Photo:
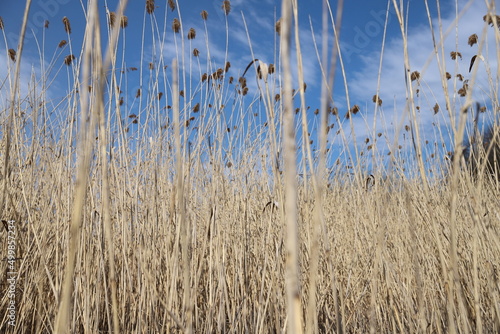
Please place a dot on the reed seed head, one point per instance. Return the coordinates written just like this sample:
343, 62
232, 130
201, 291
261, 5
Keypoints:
151, 66
12, 54
448, 76
69, 59
112, 18
124, 22
377, 99
176, 25
46, 24
150, 6
196, 108
67, 26
62, 43
171, 4
226, 7
196, 52
492, 19
138, 93
277, 27
204, 77
277, 97
455, 54
204, 15
415, 75
192, 33
472, 39
228, 65
355, 109
270, 69
436, 108
1, 23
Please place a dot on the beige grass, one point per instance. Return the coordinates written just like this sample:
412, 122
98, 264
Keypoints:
185, 239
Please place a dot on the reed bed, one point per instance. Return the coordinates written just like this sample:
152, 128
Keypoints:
186, 214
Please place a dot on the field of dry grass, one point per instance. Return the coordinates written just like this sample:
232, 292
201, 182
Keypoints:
152, 224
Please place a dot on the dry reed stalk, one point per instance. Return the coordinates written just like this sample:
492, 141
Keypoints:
294, 308
185, 230
85, 140
14, 100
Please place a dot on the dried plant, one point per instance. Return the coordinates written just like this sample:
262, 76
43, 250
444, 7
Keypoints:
176, 25
204, 15
277, 27
196, 108
62, 43
171, 4
448, 76
1, 23
226, 7
46, 24
415, 75
12, 54
472, 39
455, 54
123, 22
67, 26
150, 6
191, 34
112, 18
492, 19
436, 108
228, 65
377, 99
69, 59
196, 52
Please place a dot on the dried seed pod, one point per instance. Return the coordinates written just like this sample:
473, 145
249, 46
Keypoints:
472, 39
277, 27
228, 65
455, 54
448, 76
191, 34
176, 25
171, 4
226, 7
196, 52
415, 75
46, 24
151, 66
1, 23
12, 54
138, 93
377, 99
67, 26
204, 15
436, 108
124, 22
270, 69
69, 59
160, 95
196, 108
112, 18
355, 109
150, 6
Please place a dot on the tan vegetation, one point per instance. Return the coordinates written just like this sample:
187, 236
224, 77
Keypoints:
185, 217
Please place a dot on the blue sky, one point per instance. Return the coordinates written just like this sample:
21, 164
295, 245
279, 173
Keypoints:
361, 42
